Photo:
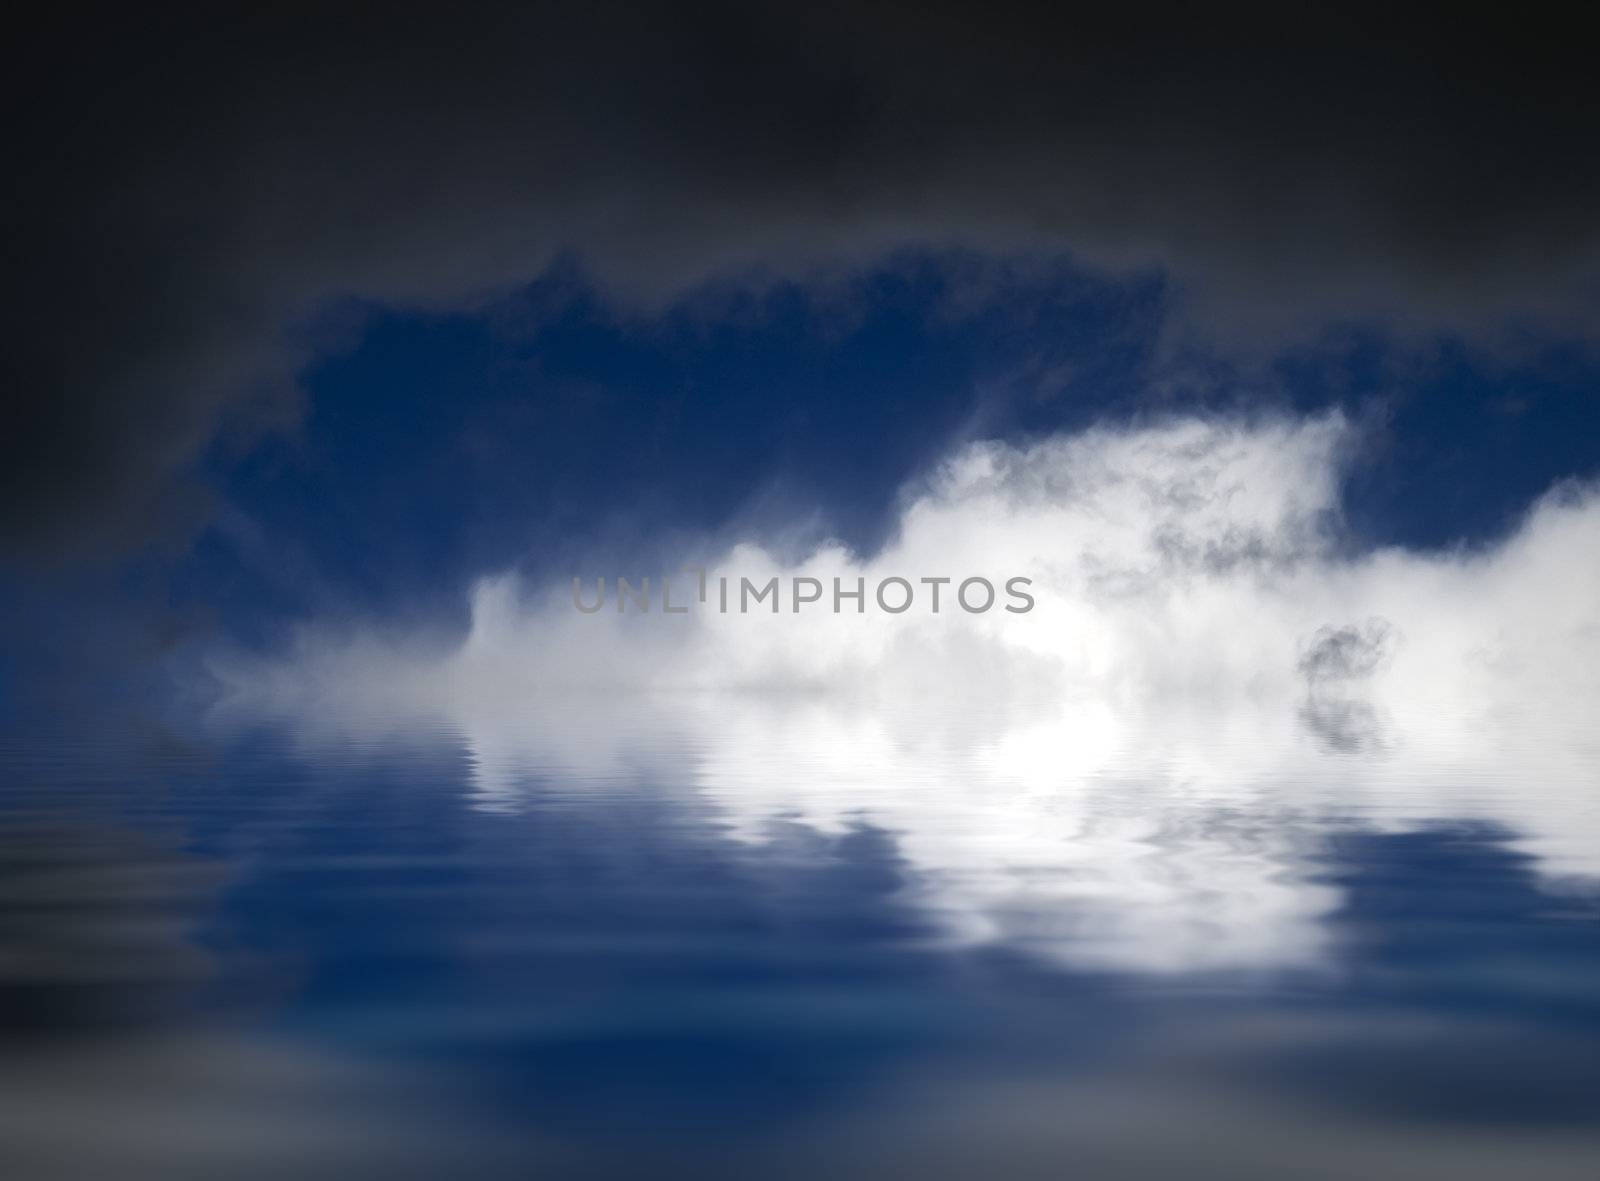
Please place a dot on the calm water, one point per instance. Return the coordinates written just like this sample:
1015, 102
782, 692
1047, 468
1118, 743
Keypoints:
795, 938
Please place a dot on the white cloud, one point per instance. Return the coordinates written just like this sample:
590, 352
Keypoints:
1134, 774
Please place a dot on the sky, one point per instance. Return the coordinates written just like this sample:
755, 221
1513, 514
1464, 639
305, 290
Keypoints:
328, 316
351, 348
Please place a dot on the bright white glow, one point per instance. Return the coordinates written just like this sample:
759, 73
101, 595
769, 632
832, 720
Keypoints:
1133, 775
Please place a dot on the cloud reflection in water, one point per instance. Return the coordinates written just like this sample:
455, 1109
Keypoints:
1140, 774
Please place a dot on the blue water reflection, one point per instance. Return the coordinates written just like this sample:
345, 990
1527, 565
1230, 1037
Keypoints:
504, 946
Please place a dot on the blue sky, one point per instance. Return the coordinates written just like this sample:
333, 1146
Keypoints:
555, 424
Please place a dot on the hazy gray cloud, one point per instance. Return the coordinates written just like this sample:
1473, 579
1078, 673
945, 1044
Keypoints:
1347, 653
186, 186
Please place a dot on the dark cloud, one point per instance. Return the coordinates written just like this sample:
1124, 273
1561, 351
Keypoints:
1335, 663
188, 187
1349, 653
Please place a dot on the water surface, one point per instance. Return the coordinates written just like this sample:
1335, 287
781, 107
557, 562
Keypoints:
735, 935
